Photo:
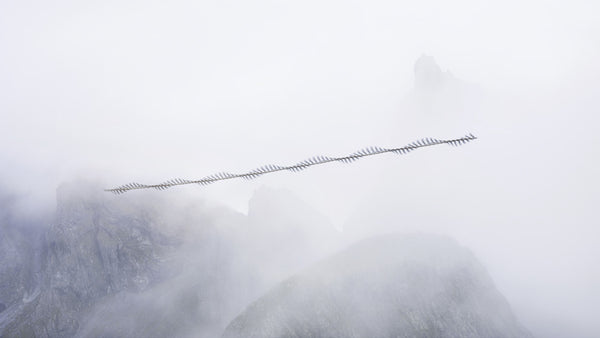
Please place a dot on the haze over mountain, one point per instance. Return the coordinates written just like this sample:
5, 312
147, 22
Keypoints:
148, 91
120, 265
149, 267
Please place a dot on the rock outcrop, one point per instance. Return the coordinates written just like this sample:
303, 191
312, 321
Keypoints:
21, 250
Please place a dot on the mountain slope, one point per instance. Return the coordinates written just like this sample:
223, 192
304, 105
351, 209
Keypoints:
390, 286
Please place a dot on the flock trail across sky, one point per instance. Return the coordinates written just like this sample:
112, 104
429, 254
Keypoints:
316, 160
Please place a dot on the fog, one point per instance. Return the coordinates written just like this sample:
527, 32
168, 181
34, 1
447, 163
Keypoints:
145, 91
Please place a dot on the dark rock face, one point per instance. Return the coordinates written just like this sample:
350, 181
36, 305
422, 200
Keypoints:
20, 262
13, 264
93, 250
115, 266
392, 286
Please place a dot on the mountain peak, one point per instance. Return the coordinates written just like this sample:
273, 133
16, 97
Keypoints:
428, 74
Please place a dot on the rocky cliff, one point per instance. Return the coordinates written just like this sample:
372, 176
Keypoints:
147, 265
94, 248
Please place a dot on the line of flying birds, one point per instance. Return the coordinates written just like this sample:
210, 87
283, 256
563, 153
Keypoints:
316, 160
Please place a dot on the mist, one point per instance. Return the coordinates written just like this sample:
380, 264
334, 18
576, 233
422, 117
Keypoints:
116, 92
